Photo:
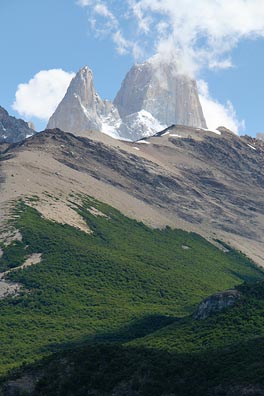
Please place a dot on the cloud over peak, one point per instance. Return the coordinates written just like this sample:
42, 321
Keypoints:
202, 33
197, 35
217, 114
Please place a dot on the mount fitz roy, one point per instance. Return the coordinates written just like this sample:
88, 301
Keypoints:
152, 97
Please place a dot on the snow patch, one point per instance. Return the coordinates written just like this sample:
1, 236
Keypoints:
142, 141
210, 130
83, 108
110, 130
144, 122
175, 135
253, 148
151, 123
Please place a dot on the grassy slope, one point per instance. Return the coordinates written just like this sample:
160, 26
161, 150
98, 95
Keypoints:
123, 282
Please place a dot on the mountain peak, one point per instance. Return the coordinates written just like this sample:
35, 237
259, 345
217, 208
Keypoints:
84, 68
152, 97
77, 111
156, 87
82, 109
85, 72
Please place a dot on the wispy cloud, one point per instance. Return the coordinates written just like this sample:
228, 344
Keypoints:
84, 3
205, 30
198, 35
201, 33
105, 23
40, 96
122, 45
217, 114
102, 21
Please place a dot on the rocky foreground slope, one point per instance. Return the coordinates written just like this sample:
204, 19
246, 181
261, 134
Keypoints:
183, 177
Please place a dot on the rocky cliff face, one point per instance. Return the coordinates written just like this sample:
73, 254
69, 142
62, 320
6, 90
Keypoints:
82, 109
156, 87
13, 130
152, 97
216, 303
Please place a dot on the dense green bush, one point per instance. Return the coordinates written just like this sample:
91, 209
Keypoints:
13, 255
121, 283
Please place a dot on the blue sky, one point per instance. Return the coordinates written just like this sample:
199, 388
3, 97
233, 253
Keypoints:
110, 36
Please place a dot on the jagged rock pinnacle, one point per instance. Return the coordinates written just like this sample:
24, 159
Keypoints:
152, 97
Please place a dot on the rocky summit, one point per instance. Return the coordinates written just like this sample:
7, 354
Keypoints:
13, 130
157, 88
152, 97
82, 109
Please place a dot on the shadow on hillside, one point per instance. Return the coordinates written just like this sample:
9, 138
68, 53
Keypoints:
107, 370
136, 329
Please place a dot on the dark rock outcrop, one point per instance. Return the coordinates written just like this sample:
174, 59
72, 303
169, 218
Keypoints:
13, 130
216, 303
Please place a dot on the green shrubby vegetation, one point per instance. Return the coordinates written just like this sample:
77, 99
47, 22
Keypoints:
124, 283
240, 324
13, 255
106, 370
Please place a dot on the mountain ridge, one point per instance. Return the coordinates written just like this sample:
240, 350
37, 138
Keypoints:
184, 177
13, 130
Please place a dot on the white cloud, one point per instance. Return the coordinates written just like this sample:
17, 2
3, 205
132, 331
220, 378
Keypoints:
196, 34
101, 9
144, 20
102, 21
122, 45
84, 3
201, 33
41, 95
217, 114
206, 29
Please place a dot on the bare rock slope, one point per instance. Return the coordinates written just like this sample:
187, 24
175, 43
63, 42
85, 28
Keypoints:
182, 177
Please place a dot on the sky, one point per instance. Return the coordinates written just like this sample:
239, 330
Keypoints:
220, 43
